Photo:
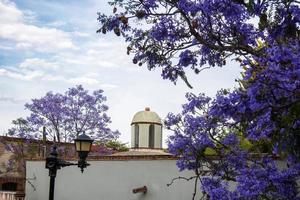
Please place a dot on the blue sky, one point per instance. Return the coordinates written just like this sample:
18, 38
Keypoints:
51, 45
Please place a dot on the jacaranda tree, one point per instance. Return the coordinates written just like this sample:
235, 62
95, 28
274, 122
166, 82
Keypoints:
63, 117
244, 143
67, 115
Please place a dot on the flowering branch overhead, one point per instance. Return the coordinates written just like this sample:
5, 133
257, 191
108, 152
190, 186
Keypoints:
245, 128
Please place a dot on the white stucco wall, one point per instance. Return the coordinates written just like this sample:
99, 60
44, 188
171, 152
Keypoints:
110, 180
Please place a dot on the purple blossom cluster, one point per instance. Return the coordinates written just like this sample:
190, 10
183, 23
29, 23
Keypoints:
65, 116
232, 140
215, 28
61, 117
255, 174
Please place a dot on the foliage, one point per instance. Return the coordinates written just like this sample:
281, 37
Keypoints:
67, 115
246, 127
179, 34
116, 146
60, 116
20, 150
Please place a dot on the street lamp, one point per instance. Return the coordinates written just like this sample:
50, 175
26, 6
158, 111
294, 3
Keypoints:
83, 144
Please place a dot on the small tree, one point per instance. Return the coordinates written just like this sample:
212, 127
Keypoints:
117, 146
20, 149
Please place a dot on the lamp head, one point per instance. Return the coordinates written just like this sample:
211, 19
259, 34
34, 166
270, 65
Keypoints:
83, 144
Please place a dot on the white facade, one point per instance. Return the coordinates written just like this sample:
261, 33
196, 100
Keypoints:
114, 177
146, 130
110, 180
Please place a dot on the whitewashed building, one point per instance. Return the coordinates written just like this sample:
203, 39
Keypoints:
141, 173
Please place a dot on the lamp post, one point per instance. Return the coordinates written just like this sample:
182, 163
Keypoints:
83, 144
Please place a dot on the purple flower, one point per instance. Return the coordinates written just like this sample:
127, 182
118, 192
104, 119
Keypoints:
67, 115
263, 112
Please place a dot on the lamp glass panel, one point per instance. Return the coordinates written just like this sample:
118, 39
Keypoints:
77, 145
85, 146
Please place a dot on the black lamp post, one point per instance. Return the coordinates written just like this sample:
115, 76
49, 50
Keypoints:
83, 144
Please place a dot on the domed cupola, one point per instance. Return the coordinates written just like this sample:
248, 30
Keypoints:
146, 130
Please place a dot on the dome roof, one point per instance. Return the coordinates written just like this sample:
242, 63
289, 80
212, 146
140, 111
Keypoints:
146, 116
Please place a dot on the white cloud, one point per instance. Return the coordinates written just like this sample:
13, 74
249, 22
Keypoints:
5, 47
37, 63
25, 76
81, 34
38, 70
57, 24
83, 80
32, 69
53, 78
91, 58
99, 53
23, 45
9, 13
108, 86
92, 75
14, 26
10, 99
